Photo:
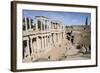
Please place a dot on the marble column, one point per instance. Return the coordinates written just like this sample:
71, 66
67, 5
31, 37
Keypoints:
44, 24
36, 24
31, 45
51, 25
42, 43
47, 24
48, 41
37, 44
45, 42
29, 23
62, 35
51, 40
26, 27
54, 26
27, 49
59, 38
41, 24
60, 27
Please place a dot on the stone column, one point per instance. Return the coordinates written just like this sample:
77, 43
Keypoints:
47, 24
30, 23
48, 40
51, 40
27, 49
42, 43
50, 26
56, 38
59, 38
64, 35
53, 26
60, 27
41, 24
45, 42
36, 24
44, 24
26, 27
31, 44
37, 43
56, 25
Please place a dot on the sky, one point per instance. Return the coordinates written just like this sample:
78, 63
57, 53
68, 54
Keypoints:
67, 18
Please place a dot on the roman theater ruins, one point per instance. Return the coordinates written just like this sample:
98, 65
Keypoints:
41, 34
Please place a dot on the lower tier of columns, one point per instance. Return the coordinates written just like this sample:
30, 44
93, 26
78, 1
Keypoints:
37, 44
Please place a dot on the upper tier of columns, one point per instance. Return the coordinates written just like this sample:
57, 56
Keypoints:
57, 25
41, 24
27, 22
44, 23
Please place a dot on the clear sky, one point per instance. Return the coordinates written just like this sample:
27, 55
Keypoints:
68, 18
